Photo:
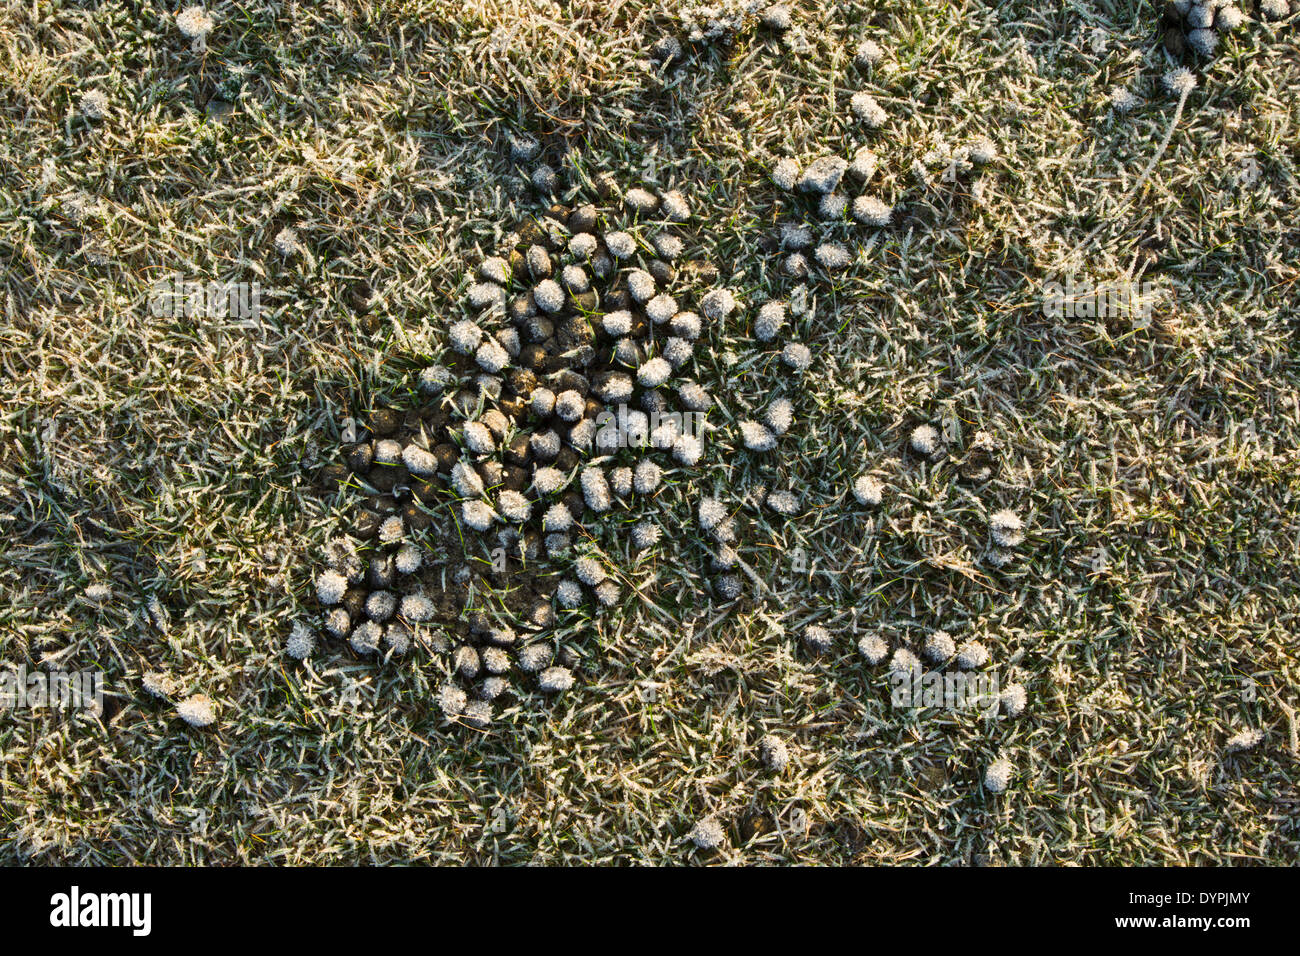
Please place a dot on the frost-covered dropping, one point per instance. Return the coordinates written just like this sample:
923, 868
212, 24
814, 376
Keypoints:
620, 245
757, 437
867, 110
868, 491
300, 642
417, 608
777, 17
868, 53
548, 295
687, 449
575, 279
797, 356
774, 753
568, 594
492, 356
545, 445
381, 605
478, 438
569, 405
542, 401
865, 163
93, 104
464, 336
818, 639
939, 647
553, 680
408, 559
286, 241
645, 534
686, 325
712, 512
548, 480
595, 489
708, 834
872, 211
557, 518
823, 174
832, 205
983, 151
194, 23
668, 247
904, 662
872, 648
728, 586
654, 372
465, 480
544, 179
419, 461
641, 200
972, 655
1006, 529
366, 636
197, 710
330, 587
675, 208
785, 174
717, 304
620, 481
477, 515
514, 507
338, 622
391, 530
485, 295
1179, 81
771, 316
641, 285
924, 439
795, 236
582, 246
452, 701
661, 308
1014, 698
783, 502
646, 476
998, 776
779, 416
589, 571
1244, 740
617, 323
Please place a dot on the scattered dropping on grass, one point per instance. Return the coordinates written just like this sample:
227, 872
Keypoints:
797, 356
197, 710
939, 646
818, 639
998, 776
872, 648
708, 834
1244, 740
925, 440
93, 104
553, 680
1179, 81
1006, 529
286, 241
972, 655
194, 23
774, 753
1014, 699
300, 642
868, 491
867, 110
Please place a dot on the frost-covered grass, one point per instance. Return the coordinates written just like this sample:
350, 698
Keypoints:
1149, 613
